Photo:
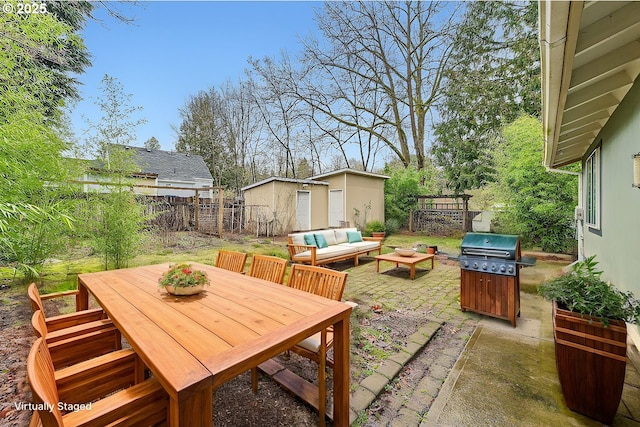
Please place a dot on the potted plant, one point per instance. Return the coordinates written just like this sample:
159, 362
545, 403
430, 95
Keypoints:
376, 229
590, 338
182, 279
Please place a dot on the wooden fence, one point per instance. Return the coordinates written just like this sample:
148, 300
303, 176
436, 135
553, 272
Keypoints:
173, 213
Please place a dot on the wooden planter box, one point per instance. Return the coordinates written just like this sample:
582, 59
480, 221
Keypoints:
591, 362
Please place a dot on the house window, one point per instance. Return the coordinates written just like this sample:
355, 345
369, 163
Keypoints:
592, 166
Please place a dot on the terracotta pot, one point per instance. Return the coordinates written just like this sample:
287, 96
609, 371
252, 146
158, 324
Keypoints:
189, 290
431, 250
591, 360
378, 234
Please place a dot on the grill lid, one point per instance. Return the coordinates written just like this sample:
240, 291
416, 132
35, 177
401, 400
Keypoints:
504, 246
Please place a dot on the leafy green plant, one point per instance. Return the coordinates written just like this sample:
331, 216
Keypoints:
537, 205
582, 291
392, 225
402, 187
375, 227
184, 276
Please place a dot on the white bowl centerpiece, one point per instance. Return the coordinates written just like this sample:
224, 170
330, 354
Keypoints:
408, 252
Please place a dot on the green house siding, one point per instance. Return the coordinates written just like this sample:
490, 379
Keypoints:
617, 242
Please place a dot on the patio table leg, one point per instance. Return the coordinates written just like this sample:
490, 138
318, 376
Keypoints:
197, 410
341, 371
82, 298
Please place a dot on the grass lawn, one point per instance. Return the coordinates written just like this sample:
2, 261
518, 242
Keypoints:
60, 273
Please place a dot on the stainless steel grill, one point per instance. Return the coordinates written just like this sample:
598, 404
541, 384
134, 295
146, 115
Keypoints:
489, 277
493, 253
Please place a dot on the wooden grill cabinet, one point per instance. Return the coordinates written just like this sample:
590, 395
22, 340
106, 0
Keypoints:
490, 275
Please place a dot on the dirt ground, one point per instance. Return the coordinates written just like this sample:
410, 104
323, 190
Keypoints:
374, 332
234, 403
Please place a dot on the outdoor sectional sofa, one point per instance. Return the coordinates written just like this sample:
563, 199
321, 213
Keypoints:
327, 246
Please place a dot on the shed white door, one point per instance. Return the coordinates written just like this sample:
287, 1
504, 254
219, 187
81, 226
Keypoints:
336, 208
303, 210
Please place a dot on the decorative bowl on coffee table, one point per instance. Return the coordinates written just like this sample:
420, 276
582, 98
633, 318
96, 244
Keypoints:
408, 252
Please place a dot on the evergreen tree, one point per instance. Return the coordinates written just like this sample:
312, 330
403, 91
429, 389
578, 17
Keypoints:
493, 78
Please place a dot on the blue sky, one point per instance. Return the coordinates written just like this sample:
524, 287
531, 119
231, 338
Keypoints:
177, 48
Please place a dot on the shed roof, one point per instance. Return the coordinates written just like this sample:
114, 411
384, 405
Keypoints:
350, 171
590, 54
281, 179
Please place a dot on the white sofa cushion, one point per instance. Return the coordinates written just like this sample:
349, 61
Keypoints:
330, 237
364, 245
324, 253
341, 234
298, 238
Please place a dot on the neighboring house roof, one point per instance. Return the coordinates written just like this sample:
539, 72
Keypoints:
349, 171
590, 58
281, 179
171, 166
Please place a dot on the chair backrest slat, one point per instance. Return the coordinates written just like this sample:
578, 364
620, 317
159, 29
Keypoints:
269, 268
232, 261
34, 298
43, 384
39, 324
318, 280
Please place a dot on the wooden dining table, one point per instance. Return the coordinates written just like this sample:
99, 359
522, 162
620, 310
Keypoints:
194, 344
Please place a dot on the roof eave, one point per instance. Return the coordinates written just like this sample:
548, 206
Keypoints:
559, 25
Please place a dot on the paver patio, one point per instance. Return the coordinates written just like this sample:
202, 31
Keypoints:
434, 292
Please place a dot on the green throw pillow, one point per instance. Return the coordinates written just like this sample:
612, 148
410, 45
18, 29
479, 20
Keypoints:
310, 240
321, 241
354, 236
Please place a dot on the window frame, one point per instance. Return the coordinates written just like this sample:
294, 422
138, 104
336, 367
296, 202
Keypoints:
592, 189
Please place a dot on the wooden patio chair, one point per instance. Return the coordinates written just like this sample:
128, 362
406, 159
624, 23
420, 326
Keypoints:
329, 284
77, 343
269, 268
145, 403
87, 375
62, 321
232, 261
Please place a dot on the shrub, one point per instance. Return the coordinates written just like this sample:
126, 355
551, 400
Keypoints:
392, 225
581, 290
375, 227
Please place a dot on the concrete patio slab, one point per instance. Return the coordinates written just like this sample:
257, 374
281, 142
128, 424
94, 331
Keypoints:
507, 377
473, 370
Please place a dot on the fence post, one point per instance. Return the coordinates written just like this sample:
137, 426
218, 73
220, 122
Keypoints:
465, 214
196, 202
411, 220
220, 210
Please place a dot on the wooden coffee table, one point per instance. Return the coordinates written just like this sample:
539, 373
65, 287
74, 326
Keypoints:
409, 261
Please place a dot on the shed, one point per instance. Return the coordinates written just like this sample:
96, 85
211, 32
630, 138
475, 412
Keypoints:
285, 204
355, 197
334, 199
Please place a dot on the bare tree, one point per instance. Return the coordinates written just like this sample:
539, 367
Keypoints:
278, 109
118, 122
241, 128
224, 126
382, 71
